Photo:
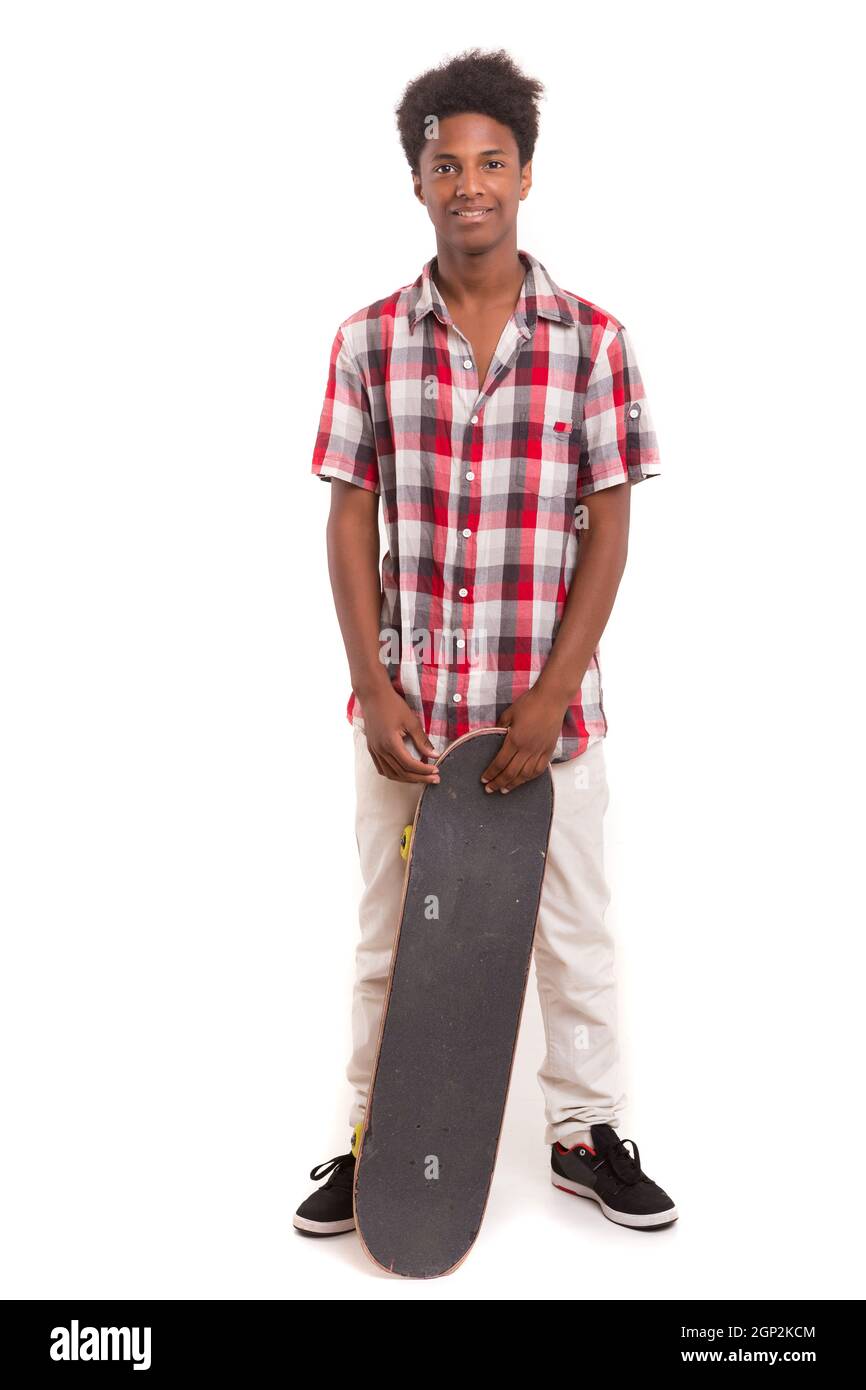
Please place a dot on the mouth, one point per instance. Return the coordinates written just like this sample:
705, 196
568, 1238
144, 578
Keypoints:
472, 214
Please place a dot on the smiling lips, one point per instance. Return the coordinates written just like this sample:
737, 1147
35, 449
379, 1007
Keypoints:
472, 214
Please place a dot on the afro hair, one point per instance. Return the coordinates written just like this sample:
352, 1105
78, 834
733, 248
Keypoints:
489, 83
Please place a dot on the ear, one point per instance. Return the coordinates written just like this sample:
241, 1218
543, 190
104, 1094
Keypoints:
526, 178
416, 188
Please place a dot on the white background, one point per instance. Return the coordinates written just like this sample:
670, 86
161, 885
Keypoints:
195, 195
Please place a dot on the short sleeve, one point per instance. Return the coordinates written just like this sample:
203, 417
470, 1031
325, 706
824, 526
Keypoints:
345, 445
619, 441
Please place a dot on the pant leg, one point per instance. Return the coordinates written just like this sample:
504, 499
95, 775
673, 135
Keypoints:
383, 808
581, 1078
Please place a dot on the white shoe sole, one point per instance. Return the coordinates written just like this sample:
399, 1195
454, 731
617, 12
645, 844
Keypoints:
323, 1228
622, 1218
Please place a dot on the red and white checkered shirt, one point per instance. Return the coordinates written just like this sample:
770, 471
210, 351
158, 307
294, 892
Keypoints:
481, 484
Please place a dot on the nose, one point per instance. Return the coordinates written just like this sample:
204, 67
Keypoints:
469, 185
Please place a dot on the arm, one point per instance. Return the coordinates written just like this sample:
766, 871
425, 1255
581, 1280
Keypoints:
353, 564
534, 721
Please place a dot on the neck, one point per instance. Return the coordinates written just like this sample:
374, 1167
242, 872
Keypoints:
464, 279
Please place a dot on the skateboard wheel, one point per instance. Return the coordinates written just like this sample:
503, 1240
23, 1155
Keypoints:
405, 842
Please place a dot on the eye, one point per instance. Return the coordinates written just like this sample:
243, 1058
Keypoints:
494, 161
439, 167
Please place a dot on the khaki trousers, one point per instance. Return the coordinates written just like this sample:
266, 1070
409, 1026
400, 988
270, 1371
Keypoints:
580, 1077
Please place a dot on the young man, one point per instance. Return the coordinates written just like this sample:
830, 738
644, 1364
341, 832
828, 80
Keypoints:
502, 421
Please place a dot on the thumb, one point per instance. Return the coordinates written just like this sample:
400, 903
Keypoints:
506, 718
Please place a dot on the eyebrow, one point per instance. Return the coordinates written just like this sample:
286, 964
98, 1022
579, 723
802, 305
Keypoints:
445, 154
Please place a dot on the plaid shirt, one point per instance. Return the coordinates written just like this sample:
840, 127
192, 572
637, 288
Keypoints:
481, 486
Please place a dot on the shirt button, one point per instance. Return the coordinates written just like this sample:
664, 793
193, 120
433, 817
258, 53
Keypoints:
467, 532
474, 419
634, 412
463, 592
470, 476
461, 642
468, 362
457, 697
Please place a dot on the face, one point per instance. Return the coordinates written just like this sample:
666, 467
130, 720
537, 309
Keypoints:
471, 182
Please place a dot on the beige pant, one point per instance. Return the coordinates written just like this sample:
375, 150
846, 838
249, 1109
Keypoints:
574, 952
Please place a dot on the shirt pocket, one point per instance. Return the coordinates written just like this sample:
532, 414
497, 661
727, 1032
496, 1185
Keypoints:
550, 466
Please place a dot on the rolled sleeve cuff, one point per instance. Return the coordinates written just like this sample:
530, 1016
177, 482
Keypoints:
338, 468
634, 474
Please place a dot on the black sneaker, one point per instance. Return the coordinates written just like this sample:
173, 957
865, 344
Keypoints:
611, 1176
328, 1211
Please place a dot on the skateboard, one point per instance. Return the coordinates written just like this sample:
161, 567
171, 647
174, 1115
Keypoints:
475, 863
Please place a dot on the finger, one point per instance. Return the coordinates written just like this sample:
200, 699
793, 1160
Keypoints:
500, 761
397, 773
418, 735
397, 753
530, 770
513, 775
385, 767
503, 773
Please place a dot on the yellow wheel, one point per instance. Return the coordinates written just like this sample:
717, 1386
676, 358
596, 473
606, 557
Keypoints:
405, 842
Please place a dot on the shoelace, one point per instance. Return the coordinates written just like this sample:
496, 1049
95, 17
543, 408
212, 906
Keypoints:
334, 1166
624, 1165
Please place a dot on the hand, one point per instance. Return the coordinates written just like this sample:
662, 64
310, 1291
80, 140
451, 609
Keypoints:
387, 718
534, 723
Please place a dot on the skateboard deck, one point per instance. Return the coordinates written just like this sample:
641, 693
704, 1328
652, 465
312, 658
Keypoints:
452, 1013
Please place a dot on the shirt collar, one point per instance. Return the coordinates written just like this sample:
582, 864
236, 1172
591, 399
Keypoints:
540, 296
